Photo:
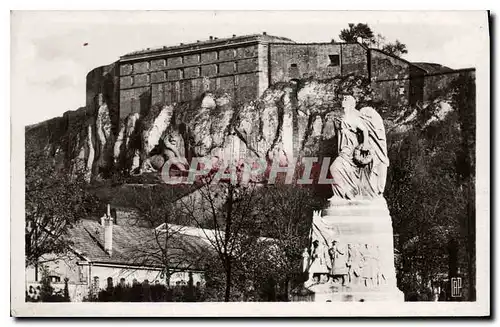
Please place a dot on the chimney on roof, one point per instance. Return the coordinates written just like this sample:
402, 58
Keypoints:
182, 43
197, 41
264, 33
107, 223
211, 37
215, 38
114, 215
234, 35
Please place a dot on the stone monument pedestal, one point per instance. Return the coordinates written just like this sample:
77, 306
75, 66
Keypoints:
361, 232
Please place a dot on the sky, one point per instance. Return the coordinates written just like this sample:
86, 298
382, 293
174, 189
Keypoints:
49, 61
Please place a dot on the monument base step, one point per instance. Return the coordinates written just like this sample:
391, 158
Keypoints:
328, 293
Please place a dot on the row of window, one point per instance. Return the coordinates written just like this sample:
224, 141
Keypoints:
206, 70
175, 74
334, 61
192, 59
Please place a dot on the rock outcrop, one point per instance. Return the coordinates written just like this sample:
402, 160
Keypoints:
290, 120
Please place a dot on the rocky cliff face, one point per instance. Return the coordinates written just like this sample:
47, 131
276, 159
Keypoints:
289, 120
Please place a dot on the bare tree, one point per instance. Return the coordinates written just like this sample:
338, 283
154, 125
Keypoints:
226, 215
379, 41
288, 218
162, 242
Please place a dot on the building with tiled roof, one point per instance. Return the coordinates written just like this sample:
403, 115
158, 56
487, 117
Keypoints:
125, 253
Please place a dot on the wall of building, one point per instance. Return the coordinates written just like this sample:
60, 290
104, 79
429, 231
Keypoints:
390, 78
81, 275
103, 84
298, 61
246, 69
61, 267
434, 84
354, 58
263, 50
416, 85
182, 78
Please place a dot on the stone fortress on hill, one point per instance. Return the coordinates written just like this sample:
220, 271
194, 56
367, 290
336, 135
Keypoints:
256, 95
245, 66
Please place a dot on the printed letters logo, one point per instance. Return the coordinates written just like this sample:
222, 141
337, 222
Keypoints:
456, 287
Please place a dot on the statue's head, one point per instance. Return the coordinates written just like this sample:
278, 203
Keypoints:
348, 102
356, 86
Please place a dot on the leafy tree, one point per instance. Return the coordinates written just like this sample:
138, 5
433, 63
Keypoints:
397, 48
46, 289
430, 191
464, 100
66, 290
368, 38
356, 31
55, 199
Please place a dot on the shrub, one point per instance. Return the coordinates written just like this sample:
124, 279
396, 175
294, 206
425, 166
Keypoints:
146, 292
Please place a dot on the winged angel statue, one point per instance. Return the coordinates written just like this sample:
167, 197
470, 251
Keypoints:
360, 170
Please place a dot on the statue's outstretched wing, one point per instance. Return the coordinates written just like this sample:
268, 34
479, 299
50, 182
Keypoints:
376, 130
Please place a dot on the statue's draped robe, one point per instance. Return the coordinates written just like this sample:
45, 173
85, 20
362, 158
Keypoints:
377, 141
349, 180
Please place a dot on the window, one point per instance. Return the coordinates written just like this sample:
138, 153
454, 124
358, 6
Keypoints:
199, 57
217, 68
293, 71
235, 66
334, 60
182, 60
401, 90
181, 73
217, 54
82, 273
199, 71
55, 279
